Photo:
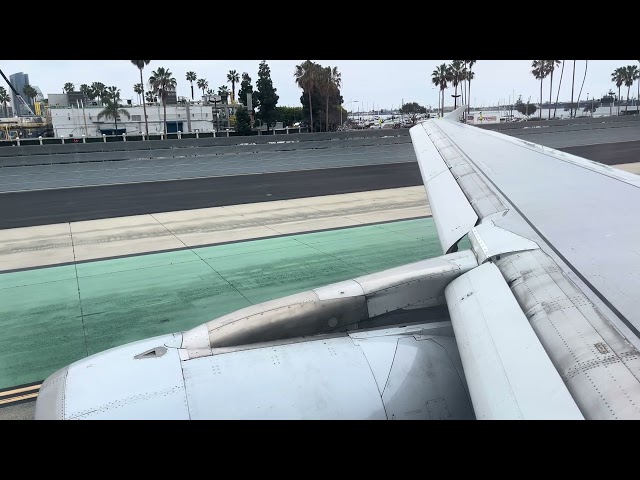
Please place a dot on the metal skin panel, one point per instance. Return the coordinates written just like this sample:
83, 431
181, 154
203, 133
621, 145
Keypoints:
482, 199
509, 374
424, 292
421, 283
348, 288
288, 319
327, 378
587, 214
323, 379
424, 383
600, 368
50, 403
430, 161
488, 206
441, 329
115, 385
453, 215
598, 167
380, 352
488, 240
333, 307
378, 281
334, 378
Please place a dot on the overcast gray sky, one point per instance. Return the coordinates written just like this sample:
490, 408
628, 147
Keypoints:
383, 83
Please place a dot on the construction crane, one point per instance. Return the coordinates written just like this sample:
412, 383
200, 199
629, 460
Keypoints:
26, 105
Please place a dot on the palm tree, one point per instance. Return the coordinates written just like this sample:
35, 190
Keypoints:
463, 80
113, 110
4, 98
233, 78
306, 75
618, 78
113, 93
161, 83
324, 82
586, 65
440, 77
638, 97
85, 90
457, 72
635, 75
631, 74
333, 81
223, 91
30, 92
470, 76
539, 71
149, 97
202, 85
68, 87
138, 88
140, 64
551, 66
558, 94
98, 89
191, 77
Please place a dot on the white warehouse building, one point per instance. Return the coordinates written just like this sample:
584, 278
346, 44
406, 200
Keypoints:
73, 121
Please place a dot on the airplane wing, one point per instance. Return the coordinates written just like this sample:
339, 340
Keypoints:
564, 233
543, 312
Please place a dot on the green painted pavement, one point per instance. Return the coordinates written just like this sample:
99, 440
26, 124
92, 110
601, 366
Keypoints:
40, 327
50, 317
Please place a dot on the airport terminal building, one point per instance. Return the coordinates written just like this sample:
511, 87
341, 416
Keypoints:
76, 120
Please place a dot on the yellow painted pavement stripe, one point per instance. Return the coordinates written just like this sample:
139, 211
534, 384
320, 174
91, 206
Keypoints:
18, 398
20, 390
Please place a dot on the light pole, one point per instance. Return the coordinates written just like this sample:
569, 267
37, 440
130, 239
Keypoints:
455, 101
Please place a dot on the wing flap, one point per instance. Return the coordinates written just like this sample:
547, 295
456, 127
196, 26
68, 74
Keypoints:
452, 212
509, 374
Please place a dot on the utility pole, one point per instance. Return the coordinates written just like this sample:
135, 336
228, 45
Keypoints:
84, 118
573, 80
215, 106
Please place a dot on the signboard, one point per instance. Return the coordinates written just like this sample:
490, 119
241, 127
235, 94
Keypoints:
249, 102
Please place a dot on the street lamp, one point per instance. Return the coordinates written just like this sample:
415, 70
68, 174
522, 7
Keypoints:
455, 101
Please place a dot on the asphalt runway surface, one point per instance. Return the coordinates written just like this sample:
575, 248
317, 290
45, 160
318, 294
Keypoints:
396, 168
181, 167
608, 153
557, 137
42, 207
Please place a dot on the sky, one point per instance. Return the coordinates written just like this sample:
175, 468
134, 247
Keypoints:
366, 84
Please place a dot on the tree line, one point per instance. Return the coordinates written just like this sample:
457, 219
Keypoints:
542, 69
321, 99
455, 74
626, 76
161, 82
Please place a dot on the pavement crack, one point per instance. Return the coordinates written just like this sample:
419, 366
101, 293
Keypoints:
75, 266
193, 250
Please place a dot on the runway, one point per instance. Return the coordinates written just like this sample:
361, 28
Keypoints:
185, 163
21, 209
608, 153
46, 206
